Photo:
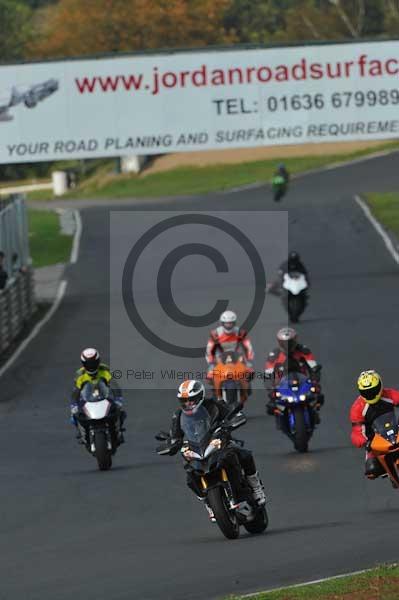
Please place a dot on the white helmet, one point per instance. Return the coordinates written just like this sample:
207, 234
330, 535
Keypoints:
90, 359
191, 395
228, 320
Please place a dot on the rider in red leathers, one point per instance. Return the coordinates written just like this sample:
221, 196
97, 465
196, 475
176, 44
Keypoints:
289, 357
228, 337
374, 400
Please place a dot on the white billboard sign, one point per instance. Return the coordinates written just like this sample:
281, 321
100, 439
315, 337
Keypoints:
199, 100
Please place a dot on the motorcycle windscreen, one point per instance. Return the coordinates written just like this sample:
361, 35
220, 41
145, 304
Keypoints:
97, 410
386, 426
95, 391
196, 427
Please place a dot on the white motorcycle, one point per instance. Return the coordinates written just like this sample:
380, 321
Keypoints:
295, 299
99, 423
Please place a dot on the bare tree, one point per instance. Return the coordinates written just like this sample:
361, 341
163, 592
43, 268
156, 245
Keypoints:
344, 17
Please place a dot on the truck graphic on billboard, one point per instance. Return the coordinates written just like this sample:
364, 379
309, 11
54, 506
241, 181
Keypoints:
30, 97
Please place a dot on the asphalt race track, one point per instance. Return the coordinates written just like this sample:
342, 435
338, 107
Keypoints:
68, 531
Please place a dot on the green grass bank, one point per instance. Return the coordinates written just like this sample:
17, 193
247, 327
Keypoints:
381, 583
48, 245
184, 181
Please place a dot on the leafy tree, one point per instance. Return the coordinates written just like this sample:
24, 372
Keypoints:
14, 29
125, 25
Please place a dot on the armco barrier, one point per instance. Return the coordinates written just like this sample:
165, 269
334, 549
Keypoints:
17, 305
17, 299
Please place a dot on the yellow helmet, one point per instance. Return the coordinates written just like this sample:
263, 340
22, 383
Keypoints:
370, 386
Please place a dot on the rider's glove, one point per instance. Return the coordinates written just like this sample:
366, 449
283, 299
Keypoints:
119, 402
74, 409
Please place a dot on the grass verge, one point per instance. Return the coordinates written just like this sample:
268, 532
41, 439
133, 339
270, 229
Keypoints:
200, 180
385, 208
48, 245
381, 583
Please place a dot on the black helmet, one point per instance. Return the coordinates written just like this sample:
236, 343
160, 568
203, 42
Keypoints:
90, 359
293, 260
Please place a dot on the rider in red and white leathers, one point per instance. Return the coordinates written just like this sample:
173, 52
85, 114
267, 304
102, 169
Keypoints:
373, 401
229, 337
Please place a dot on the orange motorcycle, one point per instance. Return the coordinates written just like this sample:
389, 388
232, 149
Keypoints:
385, 445
231, 378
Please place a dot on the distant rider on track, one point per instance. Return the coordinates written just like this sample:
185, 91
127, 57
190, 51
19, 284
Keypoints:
289, 357
293, 264
229, 337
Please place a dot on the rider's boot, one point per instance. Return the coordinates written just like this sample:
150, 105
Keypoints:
257, 488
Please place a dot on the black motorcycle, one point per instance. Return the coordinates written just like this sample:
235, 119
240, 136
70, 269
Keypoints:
99, 423
210, 457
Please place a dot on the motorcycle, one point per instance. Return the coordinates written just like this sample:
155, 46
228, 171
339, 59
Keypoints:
385, 445
230, 378
98, 423
210, 458
296, 404
295, 299
279, 187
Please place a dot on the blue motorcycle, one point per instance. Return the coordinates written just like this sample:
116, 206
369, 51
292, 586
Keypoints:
296, 403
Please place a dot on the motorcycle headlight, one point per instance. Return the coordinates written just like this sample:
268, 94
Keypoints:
302, 397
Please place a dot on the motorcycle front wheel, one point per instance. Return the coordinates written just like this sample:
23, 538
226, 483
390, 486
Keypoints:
259, 523
301, 434
103, 455
225, 518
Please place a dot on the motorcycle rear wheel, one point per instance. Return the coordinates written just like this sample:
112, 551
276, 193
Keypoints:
225, 518
103, 455
296, 306
260, 522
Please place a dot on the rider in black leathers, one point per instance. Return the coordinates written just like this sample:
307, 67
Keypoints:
292, 264
192, 395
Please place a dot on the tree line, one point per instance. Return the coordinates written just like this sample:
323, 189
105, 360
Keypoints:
42, 29
45, 29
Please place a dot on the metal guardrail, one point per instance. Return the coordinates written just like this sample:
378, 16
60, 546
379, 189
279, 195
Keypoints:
17, 299
17, 306
14, 236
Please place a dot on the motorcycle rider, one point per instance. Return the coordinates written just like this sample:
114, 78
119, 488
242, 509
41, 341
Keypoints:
228, 336
293, 264
373, 401
191, 394
289, 357
94, 371
281, 171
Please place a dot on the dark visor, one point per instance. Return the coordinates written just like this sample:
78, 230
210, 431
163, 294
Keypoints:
371, 393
